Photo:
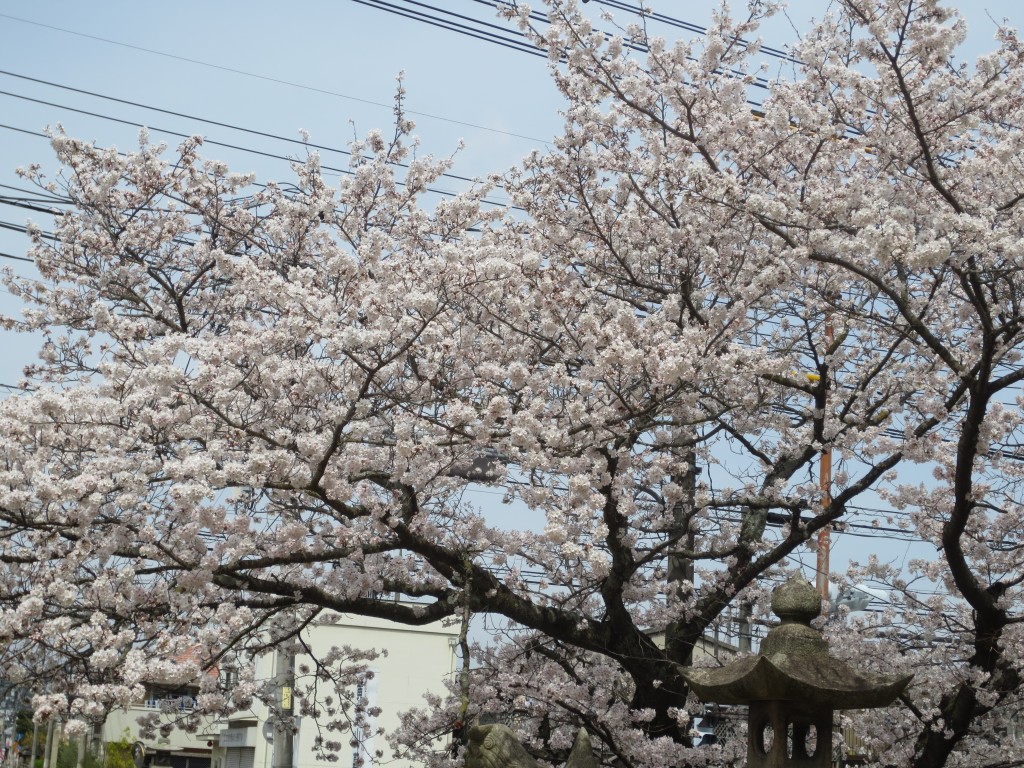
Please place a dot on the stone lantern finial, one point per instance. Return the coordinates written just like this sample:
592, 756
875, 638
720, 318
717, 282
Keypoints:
796, 601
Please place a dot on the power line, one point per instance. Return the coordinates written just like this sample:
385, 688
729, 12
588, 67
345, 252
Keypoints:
14, 227
24, 203
12, 257
27, 131
672, 21
416, 15
208, 121
779, 519
484, 34
24, 230
66, 201
27, 202
265, 78
38, 195
212, 142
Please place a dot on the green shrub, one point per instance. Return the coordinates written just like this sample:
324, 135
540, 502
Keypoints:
118, 754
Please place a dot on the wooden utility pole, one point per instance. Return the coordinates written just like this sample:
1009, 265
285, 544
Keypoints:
825, 534
825, 477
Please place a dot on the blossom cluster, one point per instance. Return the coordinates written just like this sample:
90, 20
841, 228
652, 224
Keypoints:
254, 405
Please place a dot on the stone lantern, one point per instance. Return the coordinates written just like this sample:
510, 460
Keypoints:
793, 686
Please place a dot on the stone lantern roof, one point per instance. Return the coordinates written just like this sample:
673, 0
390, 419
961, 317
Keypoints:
794, 665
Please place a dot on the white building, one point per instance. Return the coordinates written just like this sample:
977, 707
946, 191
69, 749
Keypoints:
418, 660
177, 749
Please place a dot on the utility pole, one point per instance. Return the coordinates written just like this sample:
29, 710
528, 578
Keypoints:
825, 478
825, 534
285, 683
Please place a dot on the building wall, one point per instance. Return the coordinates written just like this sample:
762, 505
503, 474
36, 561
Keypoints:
708, 647
178, 749
418, 661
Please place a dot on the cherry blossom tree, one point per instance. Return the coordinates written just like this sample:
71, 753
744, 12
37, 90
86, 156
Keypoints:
258, 407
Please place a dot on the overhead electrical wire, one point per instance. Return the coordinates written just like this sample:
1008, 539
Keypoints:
38, 195
757, 81
212, 142
24, 230
65, 201
424, 17
638, 45
207, 121
376, 3
265, 78
778, 53
778, 520
12, 257
518, 42
26, 204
